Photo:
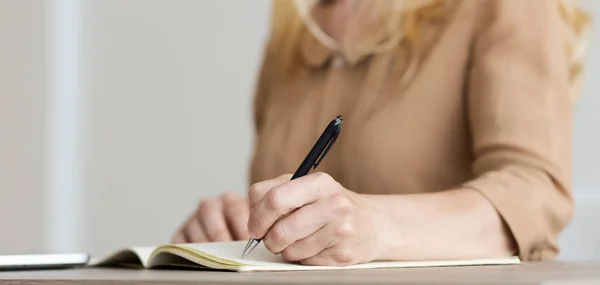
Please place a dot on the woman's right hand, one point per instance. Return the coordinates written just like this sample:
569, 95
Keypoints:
222, 218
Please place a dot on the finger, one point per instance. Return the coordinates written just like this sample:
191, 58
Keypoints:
193, 232
299, 225
285, 198
333, 256
236, 211
258, 190
213, 221
178, 238
311, 245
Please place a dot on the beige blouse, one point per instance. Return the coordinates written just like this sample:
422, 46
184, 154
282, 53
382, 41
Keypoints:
488, 109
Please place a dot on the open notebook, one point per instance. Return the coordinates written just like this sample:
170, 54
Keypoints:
227, 256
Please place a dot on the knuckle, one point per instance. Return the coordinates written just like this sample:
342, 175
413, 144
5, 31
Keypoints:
342, 256
254, 191
229, 196
341, 203
279, 234
273, 200
344, 230
324, 178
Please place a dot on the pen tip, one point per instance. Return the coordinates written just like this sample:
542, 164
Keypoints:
252, 243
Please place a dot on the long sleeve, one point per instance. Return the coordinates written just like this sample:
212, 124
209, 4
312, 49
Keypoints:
520, 120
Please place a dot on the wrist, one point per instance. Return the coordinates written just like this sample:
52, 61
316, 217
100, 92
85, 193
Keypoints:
391, 237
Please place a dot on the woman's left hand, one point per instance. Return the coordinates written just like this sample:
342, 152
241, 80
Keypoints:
316, 221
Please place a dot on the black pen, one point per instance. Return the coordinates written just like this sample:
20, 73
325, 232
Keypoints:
312, 160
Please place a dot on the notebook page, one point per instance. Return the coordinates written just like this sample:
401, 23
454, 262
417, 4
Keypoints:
143, 252
128, 256
263, 260
233, 251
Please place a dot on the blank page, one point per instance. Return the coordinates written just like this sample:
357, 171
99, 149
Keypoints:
263, 260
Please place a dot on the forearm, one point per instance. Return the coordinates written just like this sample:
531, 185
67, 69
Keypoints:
443, 225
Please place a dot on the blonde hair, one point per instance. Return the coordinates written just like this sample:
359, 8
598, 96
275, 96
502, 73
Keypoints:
403, 22
577, 31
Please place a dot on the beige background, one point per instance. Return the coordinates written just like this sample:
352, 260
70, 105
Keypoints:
159, 124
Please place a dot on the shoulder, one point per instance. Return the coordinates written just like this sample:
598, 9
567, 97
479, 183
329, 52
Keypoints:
534, 19
526, 27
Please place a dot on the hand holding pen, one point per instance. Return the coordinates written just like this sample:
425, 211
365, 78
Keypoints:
311, 218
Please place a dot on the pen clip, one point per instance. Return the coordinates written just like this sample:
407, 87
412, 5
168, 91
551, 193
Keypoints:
329, 145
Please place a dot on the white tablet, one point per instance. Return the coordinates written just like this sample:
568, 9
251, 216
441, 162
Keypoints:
43, 261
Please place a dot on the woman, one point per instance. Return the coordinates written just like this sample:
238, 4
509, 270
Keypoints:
456, 140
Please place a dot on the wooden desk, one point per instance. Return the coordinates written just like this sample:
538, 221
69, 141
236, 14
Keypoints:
551, 273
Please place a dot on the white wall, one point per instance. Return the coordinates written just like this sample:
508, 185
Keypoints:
587, 118
168, 87
581, 240
165, 115
22, 127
